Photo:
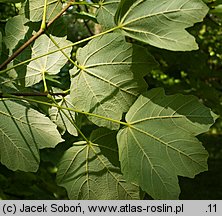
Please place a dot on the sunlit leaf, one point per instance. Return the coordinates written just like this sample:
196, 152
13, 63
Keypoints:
157, 139
91, 170
159, 143
109, 77
49, 64
23, 131
161, 23
106, 12
16, 31
34, 9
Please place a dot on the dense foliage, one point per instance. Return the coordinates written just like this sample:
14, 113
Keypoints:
108, 98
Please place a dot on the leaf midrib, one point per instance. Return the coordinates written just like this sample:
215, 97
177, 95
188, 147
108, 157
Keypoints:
18, 149
154, 14
151, 164
110, 83
167, 117
20, 121
112, 174
165, 144
42, 6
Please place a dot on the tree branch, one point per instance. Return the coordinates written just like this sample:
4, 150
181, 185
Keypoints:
34, 37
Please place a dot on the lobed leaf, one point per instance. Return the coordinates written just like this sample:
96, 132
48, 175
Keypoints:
109, 77
106, 12
34, 9
49, 64
161, 23
159, 142
16, 30
23, 131
91, 170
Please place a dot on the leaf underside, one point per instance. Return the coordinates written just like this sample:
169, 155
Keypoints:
16, 31
161, 23
49, 64
160, 142
109, 77
23, 131
93, 172
106, 12
33, 9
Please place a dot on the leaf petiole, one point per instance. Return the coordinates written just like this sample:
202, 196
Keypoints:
43, 25
61, 48
9, 97
56, 44
72, 121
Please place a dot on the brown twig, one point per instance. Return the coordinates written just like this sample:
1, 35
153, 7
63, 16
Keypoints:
34, 37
